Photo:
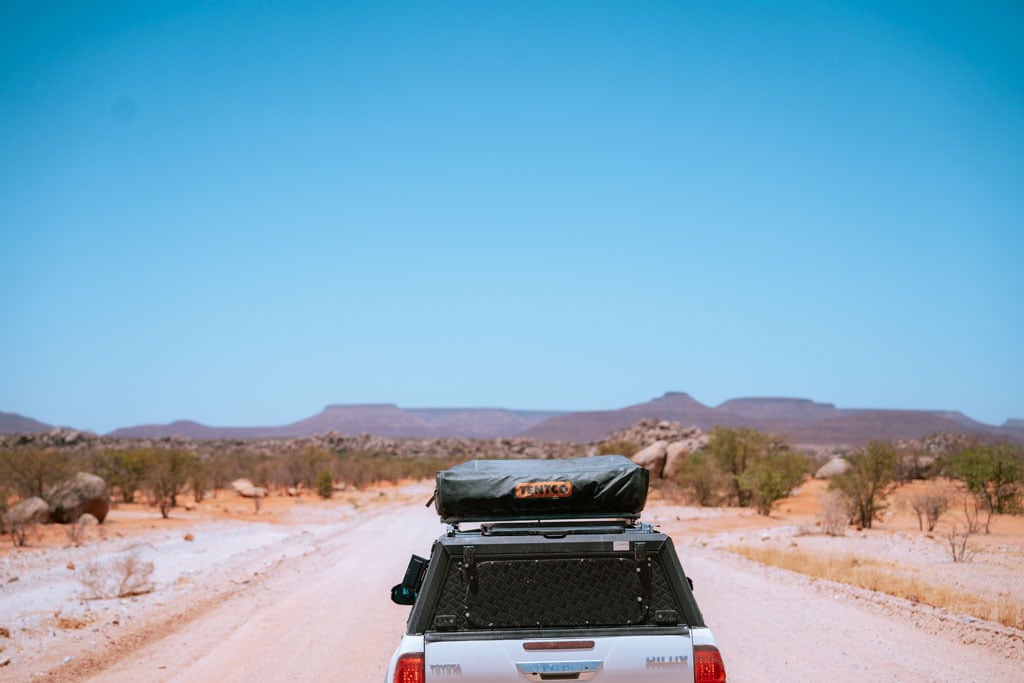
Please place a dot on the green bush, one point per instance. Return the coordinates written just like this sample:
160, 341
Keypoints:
771, 478
325, 484
868, 482
699, 475
994, 473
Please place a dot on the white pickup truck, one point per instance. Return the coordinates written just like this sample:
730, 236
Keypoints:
588, 597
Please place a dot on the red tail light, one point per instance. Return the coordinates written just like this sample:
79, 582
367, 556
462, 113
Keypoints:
410, 668
707, 665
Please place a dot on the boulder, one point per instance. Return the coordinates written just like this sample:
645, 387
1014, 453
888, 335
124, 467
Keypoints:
652, 458
832, 468
32, 510
247, 489
675, 453
78, 495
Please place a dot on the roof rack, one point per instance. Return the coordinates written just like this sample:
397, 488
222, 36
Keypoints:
553, 528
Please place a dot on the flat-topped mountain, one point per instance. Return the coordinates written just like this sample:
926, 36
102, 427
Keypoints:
379, 419
801, 421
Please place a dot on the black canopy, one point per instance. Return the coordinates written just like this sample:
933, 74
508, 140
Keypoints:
596, 486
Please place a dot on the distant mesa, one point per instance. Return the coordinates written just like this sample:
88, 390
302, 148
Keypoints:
379, 419
800, 420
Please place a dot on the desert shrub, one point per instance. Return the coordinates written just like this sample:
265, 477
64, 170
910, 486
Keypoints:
76, 531
124, 577
994, 474
736, 450
965, 524
835, 513
915, 463
223, 467
929, 505
867, 483
325, 484
699, 475
19, 530
618, 447
30, 471
167, 477
125, 470
199, 480
360, 468
770, 479
5, 496
304, 467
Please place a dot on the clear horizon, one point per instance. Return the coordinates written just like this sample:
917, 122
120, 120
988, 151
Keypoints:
239, 215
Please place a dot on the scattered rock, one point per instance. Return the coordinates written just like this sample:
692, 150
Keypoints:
189, 537
247, 489
833, 468
190, 506
5, 632
652, 457
88, 520
5, 661
78, 495
675, 453
32, 510
646, 433
70, 565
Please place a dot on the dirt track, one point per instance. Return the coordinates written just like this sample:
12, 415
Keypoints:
325, 615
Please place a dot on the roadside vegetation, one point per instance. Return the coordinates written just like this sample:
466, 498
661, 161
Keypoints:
742, 467
886, 578
167, 478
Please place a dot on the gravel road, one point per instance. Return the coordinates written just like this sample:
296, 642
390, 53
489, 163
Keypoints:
326, 616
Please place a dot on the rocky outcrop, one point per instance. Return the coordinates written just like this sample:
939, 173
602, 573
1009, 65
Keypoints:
76, 496
663, 445
674, 456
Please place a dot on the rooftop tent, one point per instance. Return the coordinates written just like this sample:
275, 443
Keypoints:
595, 486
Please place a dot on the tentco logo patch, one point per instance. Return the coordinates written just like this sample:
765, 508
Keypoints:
544, 489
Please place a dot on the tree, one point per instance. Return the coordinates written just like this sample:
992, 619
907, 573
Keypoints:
994, 474
733, 451
700, 475
304, 466
125, 470
30, 471
771, 478
170, 472
867, 483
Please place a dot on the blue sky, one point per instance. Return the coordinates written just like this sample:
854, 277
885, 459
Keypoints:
239, 213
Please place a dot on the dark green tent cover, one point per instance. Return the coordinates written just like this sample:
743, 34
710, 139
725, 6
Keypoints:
595, 486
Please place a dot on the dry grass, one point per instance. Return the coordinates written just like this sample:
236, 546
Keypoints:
885, 578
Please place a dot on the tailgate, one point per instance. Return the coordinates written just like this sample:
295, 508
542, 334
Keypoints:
608, 659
